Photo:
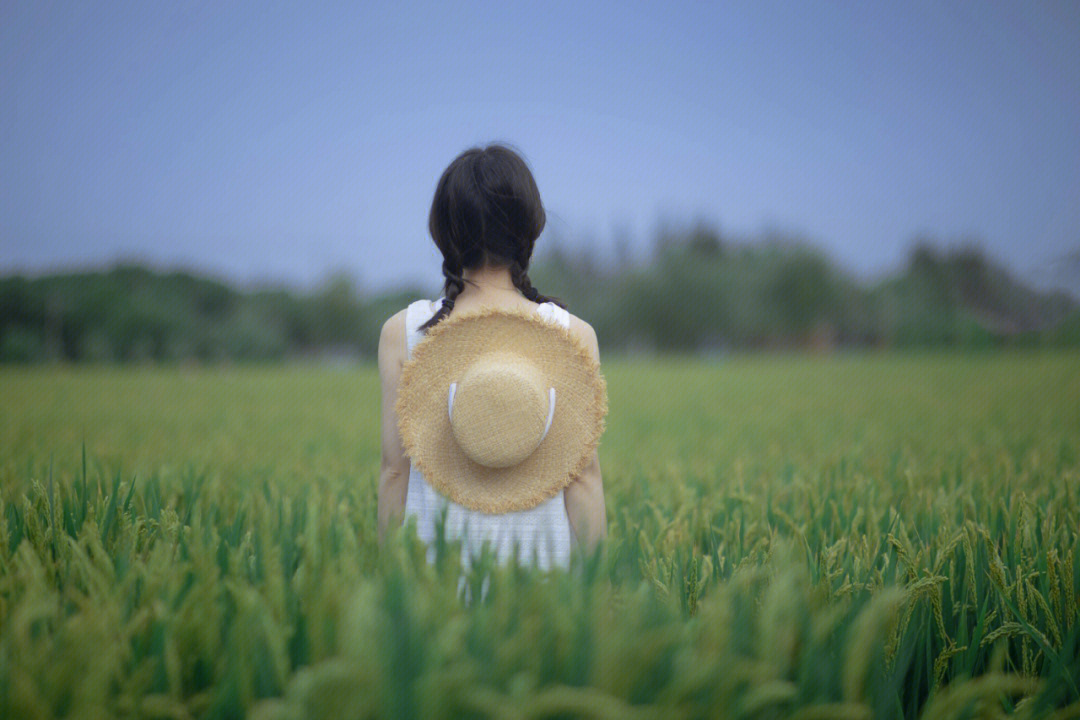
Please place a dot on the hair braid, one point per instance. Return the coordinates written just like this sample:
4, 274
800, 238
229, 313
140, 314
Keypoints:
452, 287
520, 277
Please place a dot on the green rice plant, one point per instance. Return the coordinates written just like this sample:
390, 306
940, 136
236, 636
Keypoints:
856, 536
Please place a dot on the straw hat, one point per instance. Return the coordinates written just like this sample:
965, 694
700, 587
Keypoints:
500, 409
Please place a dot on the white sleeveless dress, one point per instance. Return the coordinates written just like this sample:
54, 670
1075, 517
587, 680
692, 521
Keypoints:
542, 534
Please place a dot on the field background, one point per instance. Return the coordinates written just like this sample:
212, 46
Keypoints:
856, 535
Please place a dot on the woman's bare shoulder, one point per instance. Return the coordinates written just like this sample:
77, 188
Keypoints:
392, 340
584, 331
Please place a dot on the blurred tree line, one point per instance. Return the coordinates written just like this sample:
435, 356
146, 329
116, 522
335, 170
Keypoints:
697, 293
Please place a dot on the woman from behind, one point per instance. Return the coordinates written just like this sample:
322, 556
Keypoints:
485, 218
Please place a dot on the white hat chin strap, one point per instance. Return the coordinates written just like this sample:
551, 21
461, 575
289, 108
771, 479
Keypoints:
547, 425
551, 412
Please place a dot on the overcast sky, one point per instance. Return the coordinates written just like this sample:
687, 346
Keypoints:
278, 141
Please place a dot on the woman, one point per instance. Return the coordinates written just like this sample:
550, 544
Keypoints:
485, 218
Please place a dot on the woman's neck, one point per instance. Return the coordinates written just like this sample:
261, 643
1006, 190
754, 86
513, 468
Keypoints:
493, 288
486, 279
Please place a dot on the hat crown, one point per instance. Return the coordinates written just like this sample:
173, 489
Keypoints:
499, 410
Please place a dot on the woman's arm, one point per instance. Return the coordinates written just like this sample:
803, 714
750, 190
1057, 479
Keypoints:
394, 471
584, 496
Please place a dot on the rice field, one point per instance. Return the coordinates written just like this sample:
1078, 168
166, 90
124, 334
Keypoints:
854, 536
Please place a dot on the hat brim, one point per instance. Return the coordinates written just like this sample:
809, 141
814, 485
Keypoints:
443, 356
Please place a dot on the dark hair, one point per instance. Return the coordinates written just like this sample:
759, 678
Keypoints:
486, 211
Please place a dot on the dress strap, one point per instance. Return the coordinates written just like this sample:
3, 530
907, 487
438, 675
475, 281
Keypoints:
416, 314
553, 313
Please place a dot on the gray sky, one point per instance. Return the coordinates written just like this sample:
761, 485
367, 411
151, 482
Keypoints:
277, 142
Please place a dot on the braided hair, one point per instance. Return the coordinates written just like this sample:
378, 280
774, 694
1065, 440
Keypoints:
486, 211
